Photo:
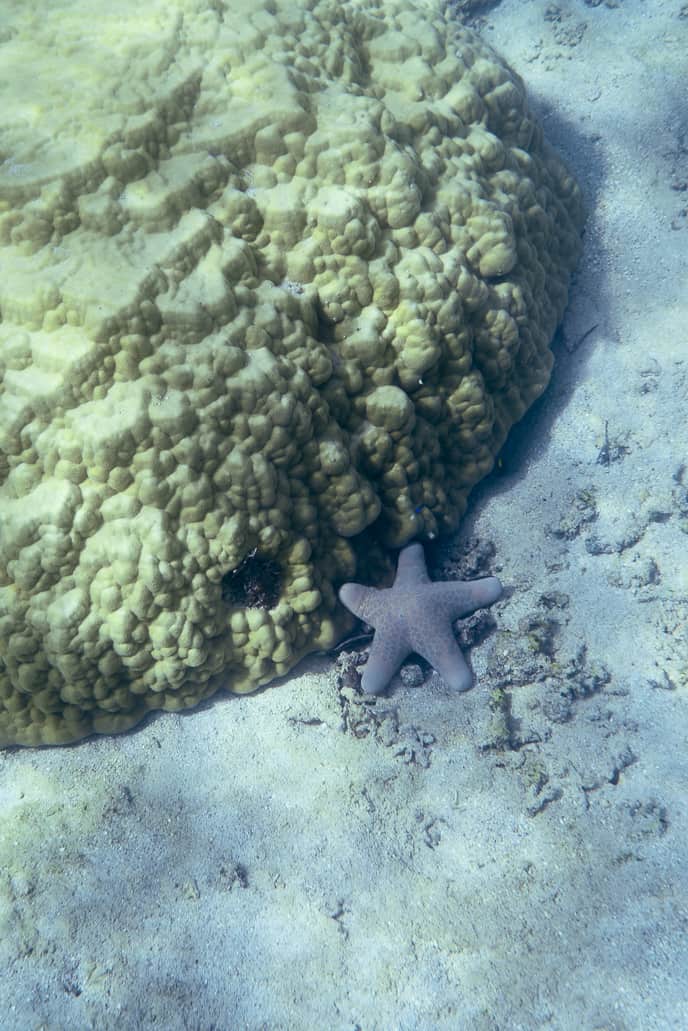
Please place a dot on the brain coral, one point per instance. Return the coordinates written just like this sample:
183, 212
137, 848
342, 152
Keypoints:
275, 282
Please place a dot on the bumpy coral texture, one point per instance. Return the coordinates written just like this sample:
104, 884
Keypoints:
275, 283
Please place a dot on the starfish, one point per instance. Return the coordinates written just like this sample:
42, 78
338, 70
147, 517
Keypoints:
416, 615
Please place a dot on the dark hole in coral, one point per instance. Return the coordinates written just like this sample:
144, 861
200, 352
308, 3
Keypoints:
326, 325
254, 584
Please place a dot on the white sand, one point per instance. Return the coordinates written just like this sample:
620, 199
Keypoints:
489, 862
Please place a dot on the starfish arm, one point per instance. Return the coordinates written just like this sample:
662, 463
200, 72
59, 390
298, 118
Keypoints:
444, 655
362, 601
459, 598
387, 652
411, 567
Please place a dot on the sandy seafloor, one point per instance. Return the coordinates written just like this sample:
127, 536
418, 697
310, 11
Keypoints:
511, 858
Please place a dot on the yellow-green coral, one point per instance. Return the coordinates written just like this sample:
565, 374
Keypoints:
275, 281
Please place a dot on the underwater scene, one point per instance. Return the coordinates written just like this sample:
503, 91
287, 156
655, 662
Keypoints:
343, 515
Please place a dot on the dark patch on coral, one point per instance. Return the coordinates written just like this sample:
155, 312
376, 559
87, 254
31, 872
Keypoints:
254, 584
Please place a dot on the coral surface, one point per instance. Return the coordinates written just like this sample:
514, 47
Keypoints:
275, 282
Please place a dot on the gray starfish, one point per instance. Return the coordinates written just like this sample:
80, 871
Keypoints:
416, 615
